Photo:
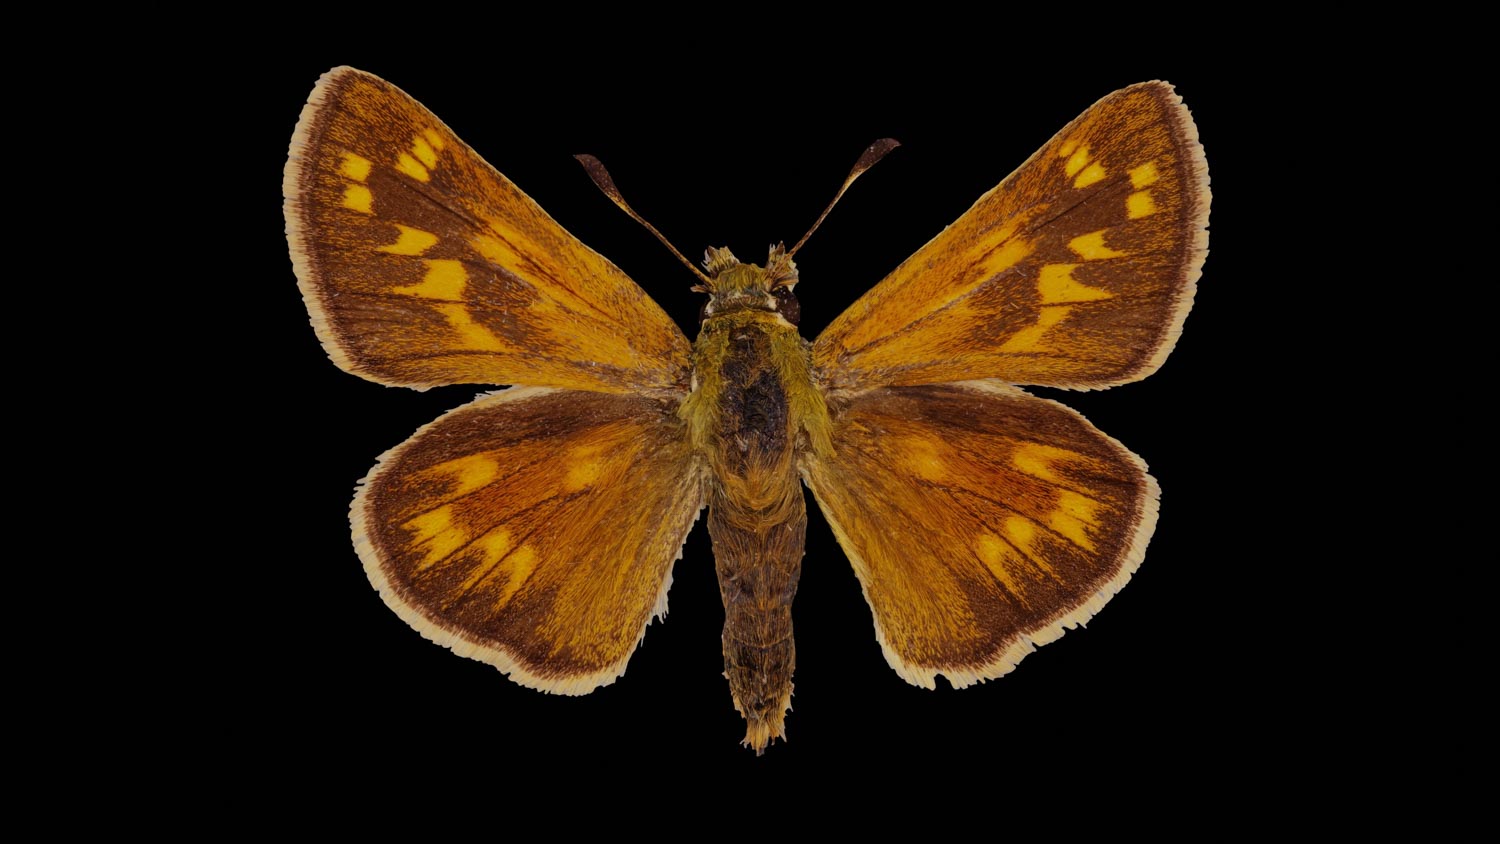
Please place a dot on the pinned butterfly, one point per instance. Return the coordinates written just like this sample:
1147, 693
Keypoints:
536, 528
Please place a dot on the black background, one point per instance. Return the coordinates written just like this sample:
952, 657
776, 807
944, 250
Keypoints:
743, 147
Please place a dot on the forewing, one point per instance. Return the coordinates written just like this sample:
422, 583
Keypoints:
421, 265
980, 520
533, 529
1076, 271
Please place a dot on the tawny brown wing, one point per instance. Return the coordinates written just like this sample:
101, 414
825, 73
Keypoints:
533, 529
980, 520
1075, 271
421, 265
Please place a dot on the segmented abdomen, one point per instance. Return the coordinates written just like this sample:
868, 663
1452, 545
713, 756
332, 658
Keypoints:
759, 563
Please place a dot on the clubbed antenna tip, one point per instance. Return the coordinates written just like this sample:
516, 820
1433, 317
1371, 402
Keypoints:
873, 153
596, 171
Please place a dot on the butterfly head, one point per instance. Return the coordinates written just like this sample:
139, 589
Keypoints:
734, 286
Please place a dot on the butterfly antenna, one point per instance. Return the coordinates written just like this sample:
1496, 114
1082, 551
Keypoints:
602, 180
872, 154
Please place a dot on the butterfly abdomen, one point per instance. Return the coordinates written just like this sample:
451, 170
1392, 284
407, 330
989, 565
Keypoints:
758, 563
747, 415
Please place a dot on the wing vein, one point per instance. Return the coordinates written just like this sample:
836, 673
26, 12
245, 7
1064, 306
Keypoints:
483, 226
916, 324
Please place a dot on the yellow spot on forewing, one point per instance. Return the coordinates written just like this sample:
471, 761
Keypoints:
434, 138
1027, 339
1091, 174
435, 530
412, 167
558, 310
1077, 161
1140, 204
923, 288
445, 279
471, 334
500, 253
1090, 247
1144, 175
358, 198
355, 167
1072, 518
1057, 285
411, 241
424, 152
1067, 148
468, 473
1003, 258
994, 553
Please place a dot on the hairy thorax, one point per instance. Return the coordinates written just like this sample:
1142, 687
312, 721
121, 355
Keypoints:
754, 408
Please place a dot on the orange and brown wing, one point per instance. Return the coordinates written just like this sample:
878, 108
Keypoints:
533, 529
981, 521
1076, 271
421, 265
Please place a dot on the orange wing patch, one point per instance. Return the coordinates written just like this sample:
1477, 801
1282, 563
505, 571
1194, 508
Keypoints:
1076, 271
533, 529
981, 521
421, 265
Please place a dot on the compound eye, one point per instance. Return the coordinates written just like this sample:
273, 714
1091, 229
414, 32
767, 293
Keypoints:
787, 305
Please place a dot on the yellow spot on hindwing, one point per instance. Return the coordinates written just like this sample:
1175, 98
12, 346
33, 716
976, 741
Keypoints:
412, 167
921, 457
518, 567
1072, 518
358, 198
1037, 460
994, 553
491, 548
1057, 286
1027, 339
495, 557
445, 279
1144, 175
471, 334
1076, 162
424, 152
1090, 247
1090, 175
1019, 531
355, 167
1140, 204
468, 473
411, 241
435, 530
1022, 534
584, 466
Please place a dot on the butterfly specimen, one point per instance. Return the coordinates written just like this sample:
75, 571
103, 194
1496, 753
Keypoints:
536, 527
